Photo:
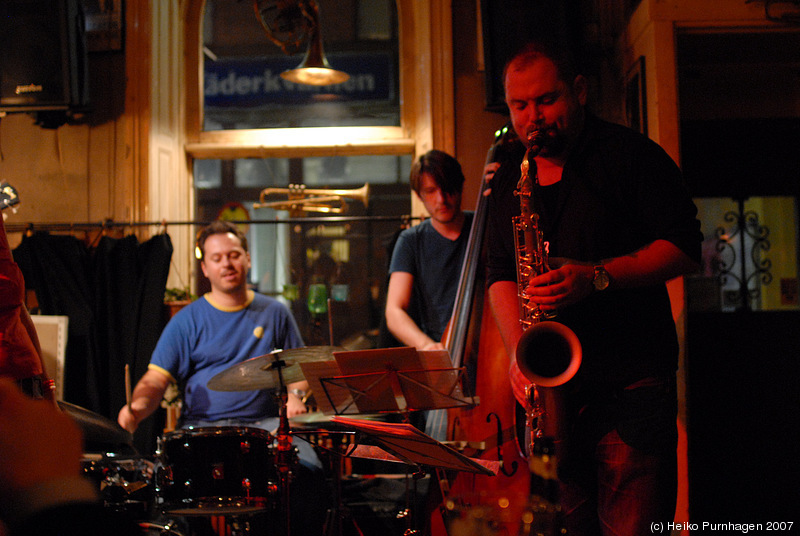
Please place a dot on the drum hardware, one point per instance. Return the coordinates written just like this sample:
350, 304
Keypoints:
270, 371
238, 526
336, 442
124, 484
403, 443
339, 516
284, 438
166, 529
122, 477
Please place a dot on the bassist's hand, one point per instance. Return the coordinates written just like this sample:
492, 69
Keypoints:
488, 174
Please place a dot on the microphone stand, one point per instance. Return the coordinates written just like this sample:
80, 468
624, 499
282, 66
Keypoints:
284, 454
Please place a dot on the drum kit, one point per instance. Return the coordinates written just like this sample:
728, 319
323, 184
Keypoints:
228, 472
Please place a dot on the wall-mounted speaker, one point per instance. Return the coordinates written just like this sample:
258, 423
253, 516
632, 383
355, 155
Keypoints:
509, 24
43, 59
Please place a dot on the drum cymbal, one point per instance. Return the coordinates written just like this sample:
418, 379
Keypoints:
317, 419
100, 434
262, 372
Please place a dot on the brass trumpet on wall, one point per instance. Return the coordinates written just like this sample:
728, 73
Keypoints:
297, 198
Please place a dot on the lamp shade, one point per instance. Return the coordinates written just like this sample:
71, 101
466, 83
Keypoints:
315, 69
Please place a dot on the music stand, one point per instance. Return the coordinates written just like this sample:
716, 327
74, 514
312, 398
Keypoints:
403, 443
393, 380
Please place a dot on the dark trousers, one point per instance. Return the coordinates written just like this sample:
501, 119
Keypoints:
633, 490
622, 473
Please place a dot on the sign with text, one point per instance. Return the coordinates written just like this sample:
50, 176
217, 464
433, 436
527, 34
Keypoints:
256, 82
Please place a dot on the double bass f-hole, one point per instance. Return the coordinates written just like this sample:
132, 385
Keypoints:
499, 439
500, 443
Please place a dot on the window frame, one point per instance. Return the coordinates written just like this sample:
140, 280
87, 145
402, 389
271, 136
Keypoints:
426, 96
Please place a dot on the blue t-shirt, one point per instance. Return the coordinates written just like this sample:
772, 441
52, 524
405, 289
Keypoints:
435, 262
203, 340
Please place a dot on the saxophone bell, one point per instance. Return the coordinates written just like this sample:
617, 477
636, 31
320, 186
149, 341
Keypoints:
549, 354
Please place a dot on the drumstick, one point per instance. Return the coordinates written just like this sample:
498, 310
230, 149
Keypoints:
128, 387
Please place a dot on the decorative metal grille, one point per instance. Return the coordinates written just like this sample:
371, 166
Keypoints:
740, 259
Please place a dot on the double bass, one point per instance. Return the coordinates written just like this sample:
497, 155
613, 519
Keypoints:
488, 430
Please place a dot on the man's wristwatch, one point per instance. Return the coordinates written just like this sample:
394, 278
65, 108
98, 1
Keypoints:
601, 278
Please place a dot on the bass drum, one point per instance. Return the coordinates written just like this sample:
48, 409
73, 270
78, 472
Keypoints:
216, 471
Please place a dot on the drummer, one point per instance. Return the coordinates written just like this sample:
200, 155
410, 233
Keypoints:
228, 325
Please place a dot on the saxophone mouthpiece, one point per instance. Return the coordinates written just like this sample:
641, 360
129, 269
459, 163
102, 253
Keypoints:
536, 141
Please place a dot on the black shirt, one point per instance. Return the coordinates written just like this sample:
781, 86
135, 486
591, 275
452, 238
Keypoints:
619, 192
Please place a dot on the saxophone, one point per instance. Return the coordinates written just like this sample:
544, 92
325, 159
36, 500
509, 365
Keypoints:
548, 353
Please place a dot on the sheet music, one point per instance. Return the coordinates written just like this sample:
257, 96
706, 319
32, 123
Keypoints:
400, 379
411, 446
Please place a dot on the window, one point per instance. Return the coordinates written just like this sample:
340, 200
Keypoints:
243, 88
750, 256
248, 130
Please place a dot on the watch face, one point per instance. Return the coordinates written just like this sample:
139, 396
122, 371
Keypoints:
600, 278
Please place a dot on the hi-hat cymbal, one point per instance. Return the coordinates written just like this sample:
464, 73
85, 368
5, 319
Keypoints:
262, 372
100, 434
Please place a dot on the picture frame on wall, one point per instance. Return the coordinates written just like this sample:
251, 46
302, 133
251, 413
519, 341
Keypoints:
636, 97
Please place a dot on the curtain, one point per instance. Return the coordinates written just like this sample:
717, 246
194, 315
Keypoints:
113, 295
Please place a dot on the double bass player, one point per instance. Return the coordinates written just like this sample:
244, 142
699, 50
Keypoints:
427, 259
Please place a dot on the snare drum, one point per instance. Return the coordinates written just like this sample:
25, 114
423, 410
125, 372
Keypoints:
123, 482
216, 471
